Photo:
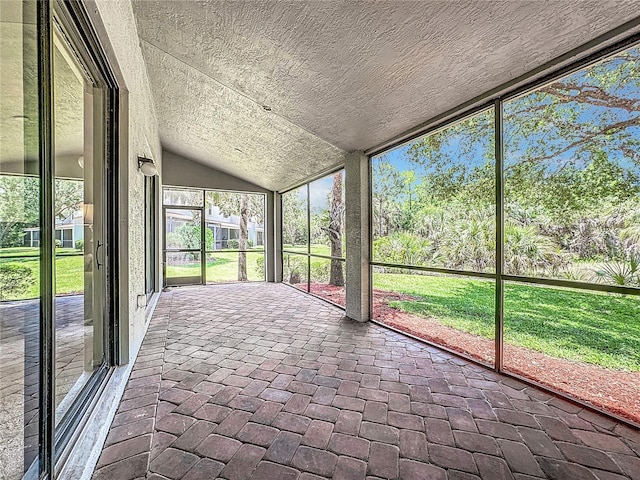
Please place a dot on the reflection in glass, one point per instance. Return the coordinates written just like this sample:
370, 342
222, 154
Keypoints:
19, 240
433, 200
572, 176
582, 343
79, 237
453, 311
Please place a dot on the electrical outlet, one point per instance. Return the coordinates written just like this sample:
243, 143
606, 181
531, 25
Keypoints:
142, 301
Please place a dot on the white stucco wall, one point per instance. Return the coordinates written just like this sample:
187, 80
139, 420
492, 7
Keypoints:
116, 27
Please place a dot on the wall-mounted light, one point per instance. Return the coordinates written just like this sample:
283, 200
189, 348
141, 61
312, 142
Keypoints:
147, 167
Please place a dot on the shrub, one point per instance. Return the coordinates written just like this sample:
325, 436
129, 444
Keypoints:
260, 265
233, 243
403, 248
14, 280
619, 273
294, 266
80, 245
320, 271
58, 243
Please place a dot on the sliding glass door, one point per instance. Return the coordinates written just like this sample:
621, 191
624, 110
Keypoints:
79, 193
57, 254
20, 338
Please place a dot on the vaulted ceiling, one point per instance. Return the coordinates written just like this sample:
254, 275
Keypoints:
276, 91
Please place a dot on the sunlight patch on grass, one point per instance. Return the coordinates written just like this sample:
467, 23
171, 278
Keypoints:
591, 327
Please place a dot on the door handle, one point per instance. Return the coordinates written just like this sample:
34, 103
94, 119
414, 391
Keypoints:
97, 258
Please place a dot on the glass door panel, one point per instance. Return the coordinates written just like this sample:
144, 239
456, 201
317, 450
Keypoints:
78, 210
20, 340
183, 246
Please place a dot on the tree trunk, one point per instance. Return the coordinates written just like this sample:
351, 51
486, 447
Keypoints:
336, 276
242, 241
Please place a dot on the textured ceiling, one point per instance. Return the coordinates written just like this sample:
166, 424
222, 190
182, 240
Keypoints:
338, 75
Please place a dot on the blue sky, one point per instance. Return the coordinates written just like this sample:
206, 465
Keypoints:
515, 147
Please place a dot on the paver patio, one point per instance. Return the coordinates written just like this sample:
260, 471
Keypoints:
260, 381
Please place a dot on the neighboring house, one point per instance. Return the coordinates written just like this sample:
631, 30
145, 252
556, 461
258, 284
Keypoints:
223, 228
68, 231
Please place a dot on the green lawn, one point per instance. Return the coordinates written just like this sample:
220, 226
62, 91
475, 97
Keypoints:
316, 248
222, 267
597, 328
33, 252
69, 272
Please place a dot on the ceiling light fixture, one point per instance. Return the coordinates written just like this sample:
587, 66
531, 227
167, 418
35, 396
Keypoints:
147, 167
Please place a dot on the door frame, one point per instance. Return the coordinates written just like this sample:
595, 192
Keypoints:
55, 442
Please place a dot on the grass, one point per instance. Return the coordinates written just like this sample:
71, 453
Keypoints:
316, 248
596, 328
69, 273
14, 252
221, 267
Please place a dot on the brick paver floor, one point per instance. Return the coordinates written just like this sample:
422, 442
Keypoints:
259, 381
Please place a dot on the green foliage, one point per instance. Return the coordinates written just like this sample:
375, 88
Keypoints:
294, 215
12, 235
620, 273
189, 237
259, 268
571, 182
403, 248
58, 243
294, 269
233, 244
320, 270
79, 245
14, 280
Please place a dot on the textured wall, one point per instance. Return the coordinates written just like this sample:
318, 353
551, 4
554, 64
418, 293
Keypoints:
114, 18
356, 178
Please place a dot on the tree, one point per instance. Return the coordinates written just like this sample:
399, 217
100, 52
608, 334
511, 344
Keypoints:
571, 179
18, 208
247, 207
387, 181
20, 205
334, 231
69, 195
294, 215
